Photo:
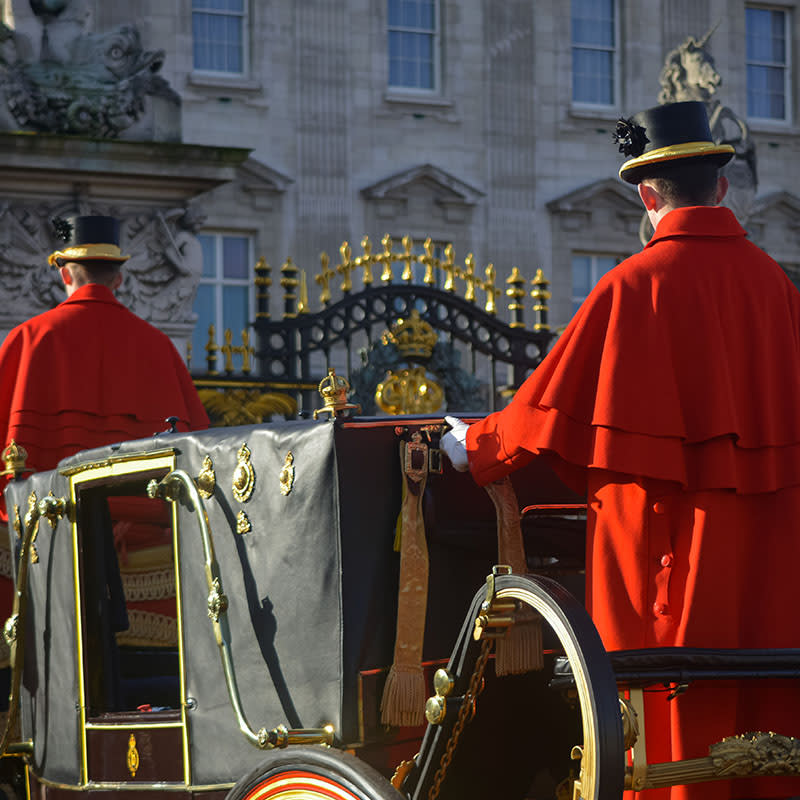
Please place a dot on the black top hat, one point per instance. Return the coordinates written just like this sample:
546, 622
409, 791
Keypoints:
667, 133
87, 239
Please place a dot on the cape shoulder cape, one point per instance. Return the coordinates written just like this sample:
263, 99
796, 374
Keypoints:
89, 373
683, 364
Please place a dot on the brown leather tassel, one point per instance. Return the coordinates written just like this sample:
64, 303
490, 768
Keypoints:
521, 649
404, 696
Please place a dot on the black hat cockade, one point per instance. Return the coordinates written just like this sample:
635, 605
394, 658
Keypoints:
630, 137
667, 133
91, 238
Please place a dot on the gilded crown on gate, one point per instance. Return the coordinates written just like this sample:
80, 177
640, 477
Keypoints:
413, 337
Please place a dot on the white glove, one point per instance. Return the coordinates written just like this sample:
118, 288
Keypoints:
453, 443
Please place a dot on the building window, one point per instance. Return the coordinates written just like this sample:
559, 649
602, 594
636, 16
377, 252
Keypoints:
594, 52
767, 63
218, 31
413, 44
225, 297
587, 269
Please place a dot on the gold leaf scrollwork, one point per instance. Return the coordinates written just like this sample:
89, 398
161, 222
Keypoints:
217, 601
32, 502
207, 480
133, 756
243, 523
10, 629
244, 476
286, 477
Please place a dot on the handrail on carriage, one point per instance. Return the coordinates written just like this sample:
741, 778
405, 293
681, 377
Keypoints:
170, 488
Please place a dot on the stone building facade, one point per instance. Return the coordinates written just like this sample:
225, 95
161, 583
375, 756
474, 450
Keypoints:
485, 123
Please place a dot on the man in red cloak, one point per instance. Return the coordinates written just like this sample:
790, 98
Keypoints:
88, 372
672, 400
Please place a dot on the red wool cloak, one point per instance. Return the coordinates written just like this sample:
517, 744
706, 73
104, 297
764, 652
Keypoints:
672, 397
85, 374
89, 373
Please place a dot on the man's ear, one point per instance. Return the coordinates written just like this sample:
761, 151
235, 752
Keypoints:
66, 276
115, 284
722, 188
651, 199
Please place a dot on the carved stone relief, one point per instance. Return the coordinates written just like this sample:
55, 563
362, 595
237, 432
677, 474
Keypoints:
165, 266
159, 280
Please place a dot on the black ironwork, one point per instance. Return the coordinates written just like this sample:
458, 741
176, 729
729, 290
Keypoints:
286, 348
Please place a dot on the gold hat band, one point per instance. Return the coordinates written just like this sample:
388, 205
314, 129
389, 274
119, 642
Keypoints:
673, 151
88, 252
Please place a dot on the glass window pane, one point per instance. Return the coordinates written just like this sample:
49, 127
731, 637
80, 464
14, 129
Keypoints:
235, 257
394, 12
604, 264
204, 308
409, 16
766, 37
426, 75
209, 256
235, 310
581, 275
593, 23
592, 76
427, 15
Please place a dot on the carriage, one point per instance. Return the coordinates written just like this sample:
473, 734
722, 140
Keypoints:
235, 612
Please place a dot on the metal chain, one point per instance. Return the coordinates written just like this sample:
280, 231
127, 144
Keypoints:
464, 716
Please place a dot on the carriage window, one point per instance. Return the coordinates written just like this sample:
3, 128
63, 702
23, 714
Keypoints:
768, 65
130, 606
594, 52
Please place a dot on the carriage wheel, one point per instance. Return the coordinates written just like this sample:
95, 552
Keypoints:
313, 773
603, 757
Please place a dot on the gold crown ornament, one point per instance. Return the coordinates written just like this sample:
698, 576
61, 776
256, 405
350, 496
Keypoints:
14, 458
333, 389
413, 337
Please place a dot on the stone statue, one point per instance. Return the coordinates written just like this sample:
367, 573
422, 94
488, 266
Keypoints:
689, 74
163, 272
73, 81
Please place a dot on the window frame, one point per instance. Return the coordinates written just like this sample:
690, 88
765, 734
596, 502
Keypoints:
616, 64
594, 277
219, 281
244, 17
786, 66
436, 37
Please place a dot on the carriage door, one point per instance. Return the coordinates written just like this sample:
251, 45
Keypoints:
130, 684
